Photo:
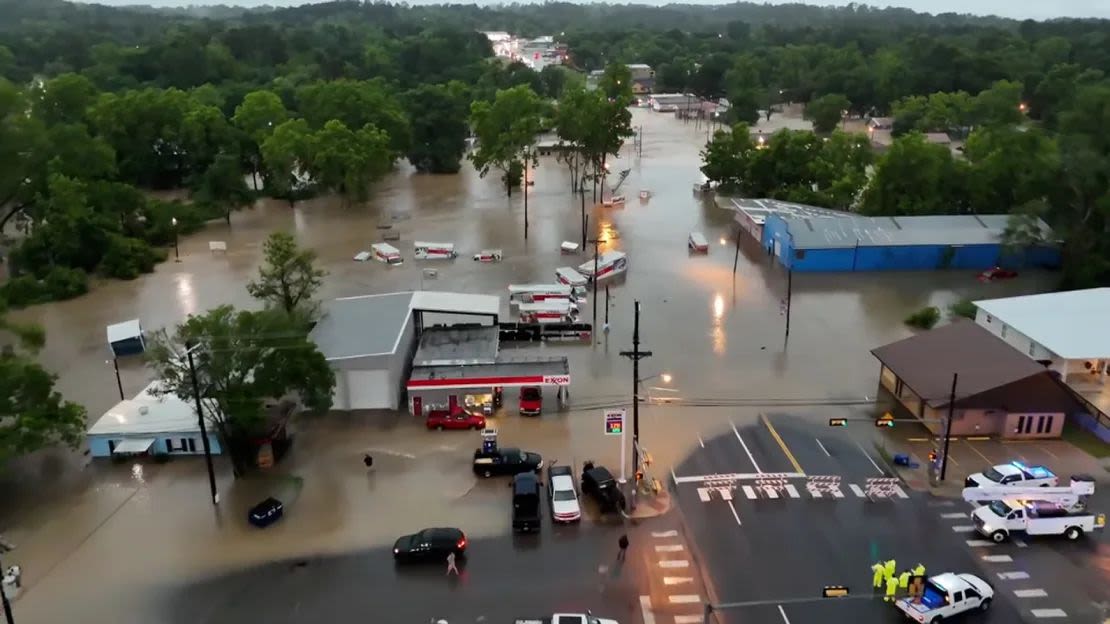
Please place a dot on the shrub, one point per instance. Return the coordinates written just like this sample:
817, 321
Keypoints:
925, 318
964, 308
127, 258
58, 284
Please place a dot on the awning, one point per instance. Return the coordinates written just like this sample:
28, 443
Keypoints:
133, 446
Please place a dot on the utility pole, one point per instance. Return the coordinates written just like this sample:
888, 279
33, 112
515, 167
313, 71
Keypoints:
636, 355
119, 383
736, 257
596, 242
203, 426
789, 299
584, 222
948, 426
641, 140
607, 308
526, 160
3, 595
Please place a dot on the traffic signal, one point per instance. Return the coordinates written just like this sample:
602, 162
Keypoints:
838, 422
886, 420
932, 456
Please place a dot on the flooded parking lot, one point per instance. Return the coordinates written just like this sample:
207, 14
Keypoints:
719, 335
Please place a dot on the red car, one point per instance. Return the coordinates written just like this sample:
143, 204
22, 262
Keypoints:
996, 273
457, 419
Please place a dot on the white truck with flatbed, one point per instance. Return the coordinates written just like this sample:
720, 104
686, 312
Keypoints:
1002, 517
567, 618
1012, 474
945, 596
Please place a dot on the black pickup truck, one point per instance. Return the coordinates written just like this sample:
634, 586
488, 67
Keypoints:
526, 503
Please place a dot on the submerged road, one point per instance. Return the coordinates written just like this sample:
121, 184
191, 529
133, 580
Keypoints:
784, 549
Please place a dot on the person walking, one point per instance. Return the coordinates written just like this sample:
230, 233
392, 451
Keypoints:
451, 567
622, 543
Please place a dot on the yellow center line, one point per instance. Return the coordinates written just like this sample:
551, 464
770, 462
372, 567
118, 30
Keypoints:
775, 434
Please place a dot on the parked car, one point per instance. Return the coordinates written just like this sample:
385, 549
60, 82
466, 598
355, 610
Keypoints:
459, 418
266, 513
430, 545
526, 502
599, 483
506, 461
562, 494
996, 273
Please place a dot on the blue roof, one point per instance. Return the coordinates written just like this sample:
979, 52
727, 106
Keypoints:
851, 230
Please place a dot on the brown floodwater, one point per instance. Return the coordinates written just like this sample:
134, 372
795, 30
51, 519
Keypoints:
97, 538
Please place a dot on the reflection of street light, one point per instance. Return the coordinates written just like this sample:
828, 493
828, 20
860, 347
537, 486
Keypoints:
722, 240
666, 377
176, 253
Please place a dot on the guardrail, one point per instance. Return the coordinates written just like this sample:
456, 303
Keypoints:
1100, 416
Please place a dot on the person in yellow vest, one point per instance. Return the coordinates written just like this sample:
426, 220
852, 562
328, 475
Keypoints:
904, 580
891, 588
919, 570
878, 572
890, 567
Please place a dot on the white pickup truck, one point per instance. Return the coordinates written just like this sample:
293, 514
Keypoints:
1001, 518
946, 595
1012, 474
567, 618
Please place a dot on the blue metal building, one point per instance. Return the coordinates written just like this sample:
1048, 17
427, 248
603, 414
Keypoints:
854, 243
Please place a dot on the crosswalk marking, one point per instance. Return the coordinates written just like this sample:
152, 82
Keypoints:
857, 490
950, 516
703, 494
1049, 613
835, 491
684, 599
669, 548
748, 491
770, 491
814, 492
647, 615
791, 490
974, 543
1013, 576
1020, 544
726, 493
998, 558
689, 619
674, 563
671, 533
1030, 593
963, 528
677, 580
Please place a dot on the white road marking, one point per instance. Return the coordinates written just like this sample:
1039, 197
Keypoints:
835, 491
861, 449
791, 491
1013, 576
671, 533
1020, 544
963, 528
390, 452
734, 514
684, 599
783, 614
770, 491
703, 494
748, 491
674, 563
950, 516
677, 580
1049, 613
823, 447
646, 613
689, 619
700, 441
857, 490
669, 548
757, 469
897, 489
739, 476
674, 477
998, 558
726, 493
816, 493
1030, 593
978, 542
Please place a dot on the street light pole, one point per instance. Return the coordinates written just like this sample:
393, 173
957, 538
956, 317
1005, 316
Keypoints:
948, 426
526, 153
789, 298
203, 426
636, 355
606, 308
176, 253
582, 193
119, 383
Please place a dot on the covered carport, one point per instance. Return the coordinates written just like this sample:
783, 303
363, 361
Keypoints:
448, 386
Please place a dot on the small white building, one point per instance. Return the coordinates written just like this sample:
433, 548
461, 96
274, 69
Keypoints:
149, 424
126, 338
1069, 332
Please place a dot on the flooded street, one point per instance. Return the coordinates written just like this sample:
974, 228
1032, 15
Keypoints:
110, 543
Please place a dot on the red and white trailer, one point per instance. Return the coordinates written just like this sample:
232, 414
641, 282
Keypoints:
434, 251
552, 311
697, 243
488, 255
537, 293
384, 252
609, 264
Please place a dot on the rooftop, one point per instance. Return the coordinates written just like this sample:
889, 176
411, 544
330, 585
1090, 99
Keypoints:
124, 331
1072, 324
444, 346
458, 303
502, 368
984, 362
759, 209
850, 230
147, 413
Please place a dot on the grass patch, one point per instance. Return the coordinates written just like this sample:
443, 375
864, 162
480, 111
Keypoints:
1085, 441
964, 308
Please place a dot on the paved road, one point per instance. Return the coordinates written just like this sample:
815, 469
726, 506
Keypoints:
758, 549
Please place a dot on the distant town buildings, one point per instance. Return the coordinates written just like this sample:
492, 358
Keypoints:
535, 53
643, 78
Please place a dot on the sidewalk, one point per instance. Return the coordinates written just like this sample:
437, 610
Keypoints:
650, 505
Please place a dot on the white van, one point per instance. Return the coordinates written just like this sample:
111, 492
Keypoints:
536, 293
698, 243
434, 251
609, 264
552, 311
572, 278
384, 252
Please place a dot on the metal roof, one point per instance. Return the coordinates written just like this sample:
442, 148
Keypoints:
445, 346
455, 303
146, 414
1073, 324
503, 370
124, 331
759, 209
849, 231
360, 326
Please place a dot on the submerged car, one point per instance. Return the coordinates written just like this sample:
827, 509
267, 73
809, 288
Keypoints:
430, 545
266, 513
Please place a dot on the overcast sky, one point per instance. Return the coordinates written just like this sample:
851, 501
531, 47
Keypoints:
1036, 9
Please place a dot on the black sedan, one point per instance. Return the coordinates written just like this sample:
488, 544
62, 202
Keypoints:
432, 545
266, 513
506, 461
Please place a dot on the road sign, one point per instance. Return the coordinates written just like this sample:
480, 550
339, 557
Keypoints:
835, 591
614, 422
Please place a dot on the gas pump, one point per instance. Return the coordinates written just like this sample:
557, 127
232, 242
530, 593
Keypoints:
489, 441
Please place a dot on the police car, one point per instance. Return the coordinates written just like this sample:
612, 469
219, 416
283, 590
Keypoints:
567, 618
1014, 473
947, 595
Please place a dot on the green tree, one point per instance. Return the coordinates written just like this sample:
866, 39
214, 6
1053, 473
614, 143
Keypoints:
243, 359
999, 105
554, 79
571, 128
222, 184
257, 116
63, 99
616, 83
288, 278
915, 177
23, 148
1010, 166
438, 116
356, 104
826, 112
348, 161
505, 129
286, 154
725, 158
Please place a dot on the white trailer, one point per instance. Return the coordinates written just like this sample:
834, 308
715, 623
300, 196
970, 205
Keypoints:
535, 293
384, 252
434, 251
609, 264
1001, 518
550, 311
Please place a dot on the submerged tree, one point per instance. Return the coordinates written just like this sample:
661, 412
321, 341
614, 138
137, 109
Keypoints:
505, 129
288, 278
